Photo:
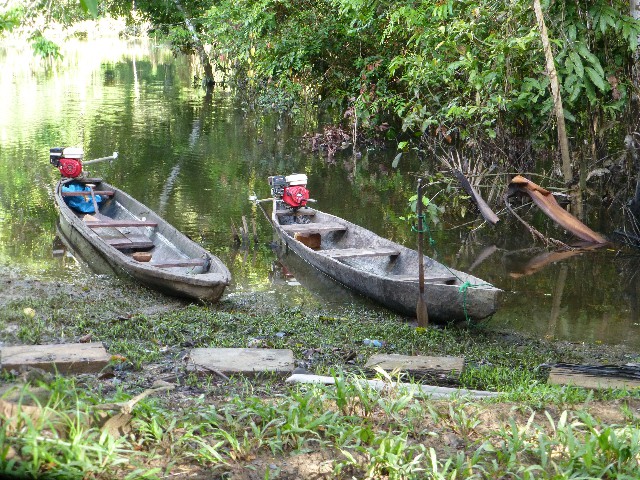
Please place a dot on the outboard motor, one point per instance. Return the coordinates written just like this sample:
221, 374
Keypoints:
292, 189
68, 160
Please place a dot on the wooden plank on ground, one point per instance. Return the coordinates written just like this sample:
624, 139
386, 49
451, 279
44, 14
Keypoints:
67, 358
313, 227
418, 365
359, 252
566, 375
247, 361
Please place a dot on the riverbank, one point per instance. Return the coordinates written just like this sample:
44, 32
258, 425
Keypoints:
263, 428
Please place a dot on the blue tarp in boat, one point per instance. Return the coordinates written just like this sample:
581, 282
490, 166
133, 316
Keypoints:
80, 203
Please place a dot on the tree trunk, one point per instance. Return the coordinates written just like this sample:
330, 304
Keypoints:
207, 81
555, 91
635, 13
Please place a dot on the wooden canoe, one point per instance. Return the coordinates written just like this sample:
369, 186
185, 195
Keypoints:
124, 228
380, 269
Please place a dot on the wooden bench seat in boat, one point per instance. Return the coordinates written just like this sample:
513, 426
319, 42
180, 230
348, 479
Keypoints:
359, 252
313, 227
138, 242
120, 223
427, 279
106, 193
310, 212
182, 262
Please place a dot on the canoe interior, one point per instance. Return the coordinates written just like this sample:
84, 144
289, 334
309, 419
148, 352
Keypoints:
365, 251
136, 228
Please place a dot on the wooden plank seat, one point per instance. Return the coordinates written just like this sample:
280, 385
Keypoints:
106, 193
182, 262
310, 212
359, 252
138, 242
313, 227
120, 223
427, 279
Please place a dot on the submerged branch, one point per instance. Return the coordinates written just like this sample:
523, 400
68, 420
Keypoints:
535, 233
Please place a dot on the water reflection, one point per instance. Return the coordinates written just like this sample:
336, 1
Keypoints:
196, 159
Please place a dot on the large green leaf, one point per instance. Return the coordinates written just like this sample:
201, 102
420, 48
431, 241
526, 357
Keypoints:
597, 80
590, 57
577, 63
90, 6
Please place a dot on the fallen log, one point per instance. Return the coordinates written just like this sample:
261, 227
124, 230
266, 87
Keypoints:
548, 204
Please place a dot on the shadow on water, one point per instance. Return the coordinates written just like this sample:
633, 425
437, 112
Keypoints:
196, 160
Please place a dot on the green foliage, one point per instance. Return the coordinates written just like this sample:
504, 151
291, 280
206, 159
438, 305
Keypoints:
449, 70
90, 6
44, 48
10, 19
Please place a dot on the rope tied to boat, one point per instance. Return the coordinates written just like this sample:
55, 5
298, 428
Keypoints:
425, 228
463, 290
466, 285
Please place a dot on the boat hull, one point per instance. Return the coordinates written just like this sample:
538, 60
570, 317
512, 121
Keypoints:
202, 283
392, 280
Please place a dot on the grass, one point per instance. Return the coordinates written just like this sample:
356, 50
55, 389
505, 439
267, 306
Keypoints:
369, 435
217, 429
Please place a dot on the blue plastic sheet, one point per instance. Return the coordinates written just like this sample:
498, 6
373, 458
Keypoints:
80, 203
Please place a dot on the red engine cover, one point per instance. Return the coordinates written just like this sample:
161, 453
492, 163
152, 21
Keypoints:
295, 196
70, 167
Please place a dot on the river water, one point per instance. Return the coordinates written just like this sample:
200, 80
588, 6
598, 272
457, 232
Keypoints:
196, 160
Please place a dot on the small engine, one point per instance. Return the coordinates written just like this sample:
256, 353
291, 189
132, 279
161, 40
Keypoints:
68, 160
290, 189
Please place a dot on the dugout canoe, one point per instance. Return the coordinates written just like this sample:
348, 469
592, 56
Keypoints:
381, 269
124, 233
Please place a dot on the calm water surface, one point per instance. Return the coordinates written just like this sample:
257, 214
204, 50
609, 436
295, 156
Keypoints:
195, 160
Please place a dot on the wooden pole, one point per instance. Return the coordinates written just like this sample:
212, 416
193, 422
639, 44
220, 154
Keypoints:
93, 197
422, 314
567, 172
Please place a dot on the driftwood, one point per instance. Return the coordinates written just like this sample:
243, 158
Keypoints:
550, 207
485, 210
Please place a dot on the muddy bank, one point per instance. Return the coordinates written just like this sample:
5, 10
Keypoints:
148, 327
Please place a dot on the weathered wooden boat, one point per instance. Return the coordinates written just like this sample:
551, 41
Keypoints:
124, 230
378, 268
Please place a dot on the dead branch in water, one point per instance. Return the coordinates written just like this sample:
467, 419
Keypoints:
456, 166
535, 233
